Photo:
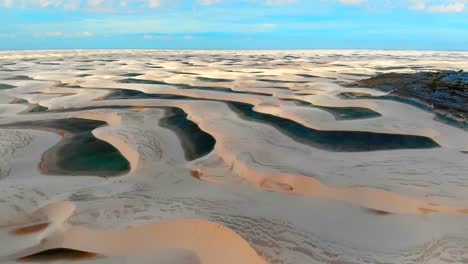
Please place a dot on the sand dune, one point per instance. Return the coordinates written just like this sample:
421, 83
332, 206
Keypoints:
192, 241
277, 166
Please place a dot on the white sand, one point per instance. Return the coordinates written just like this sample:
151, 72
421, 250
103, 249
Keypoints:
259, 196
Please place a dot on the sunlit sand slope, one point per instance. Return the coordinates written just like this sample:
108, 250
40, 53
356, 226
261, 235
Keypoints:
227, 157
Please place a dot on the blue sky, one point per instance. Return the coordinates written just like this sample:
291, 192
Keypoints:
229, 24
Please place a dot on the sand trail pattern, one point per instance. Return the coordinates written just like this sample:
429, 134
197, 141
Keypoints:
227, 156
188, 241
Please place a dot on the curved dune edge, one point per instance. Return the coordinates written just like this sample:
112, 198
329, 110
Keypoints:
371, 198
426, 132
12, 109
207, 242
321, 99
100, 133
105, 134
269, 105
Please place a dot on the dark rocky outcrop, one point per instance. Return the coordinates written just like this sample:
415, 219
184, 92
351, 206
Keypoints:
444, 91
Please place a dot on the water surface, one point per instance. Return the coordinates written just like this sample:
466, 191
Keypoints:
79, 152
196, 142
351, 141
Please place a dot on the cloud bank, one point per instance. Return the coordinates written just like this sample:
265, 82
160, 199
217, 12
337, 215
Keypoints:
429, 6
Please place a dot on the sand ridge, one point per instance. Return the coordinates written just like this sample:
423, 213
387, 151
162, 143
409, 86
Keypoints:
260, 192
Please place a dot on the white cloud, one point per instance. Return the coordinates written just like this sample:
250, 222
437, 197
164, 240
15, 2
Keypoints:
46, 3
7, 3
106, 6
267, 2
48, 34
95, 2
72, 5
352, 2
85, 34
150, 3
155, 3
439, 6
418, 5
280, 2
132, 6
431, 6
448, 8
65, 4
208, 2
56, 34
93, 5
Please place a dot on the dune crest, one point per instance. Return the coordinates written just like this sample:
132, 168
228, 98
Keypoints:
227, 157
199, 241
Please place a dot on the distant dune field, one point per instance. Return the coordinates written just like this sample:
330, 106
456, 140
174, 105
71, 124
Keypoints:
144, 156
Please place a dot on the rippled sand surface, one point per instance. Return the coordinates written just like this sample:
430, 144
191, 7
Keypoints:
226, 157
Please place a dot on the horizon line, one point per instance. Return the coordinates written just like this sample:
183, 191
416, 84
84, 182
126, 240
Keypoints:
195, 49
